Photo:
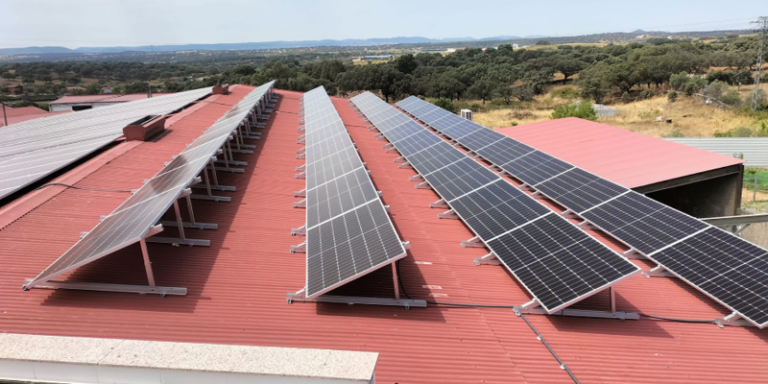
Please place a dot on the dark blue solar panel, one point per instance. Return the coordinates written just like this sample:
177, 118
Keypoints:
435, 157
459, 178
557, 262
579, 190
535, 167
642, 223
497, 208
417, 142
479, 139
504, 151
726, 267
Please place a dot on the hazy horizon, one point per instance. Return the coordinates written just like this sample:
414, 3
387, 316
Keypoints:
95, 23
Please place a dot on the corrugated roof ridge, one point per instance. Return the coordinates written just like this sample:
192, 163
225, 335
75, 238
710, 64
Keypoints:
352, 122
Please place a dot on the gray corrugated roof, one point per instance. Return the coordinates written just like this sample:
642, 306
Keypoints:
754, 149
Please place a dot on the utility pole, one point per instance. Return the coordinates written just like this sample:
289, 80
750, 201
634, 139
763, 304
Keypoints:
762, 30
4, 115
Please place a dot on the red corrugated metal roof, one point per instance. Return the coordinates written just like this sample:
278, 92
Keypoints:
624, 157
19, 114
237, 286
106, 98
22, 111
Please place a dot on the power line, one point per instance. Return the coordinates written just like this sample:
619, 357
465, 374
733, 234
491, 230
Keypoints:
762, 29
703, 23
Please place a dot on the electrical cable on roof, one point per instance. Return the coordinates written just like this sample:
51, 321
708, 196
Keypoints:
402, 288
84, 189
678, 320
538, 335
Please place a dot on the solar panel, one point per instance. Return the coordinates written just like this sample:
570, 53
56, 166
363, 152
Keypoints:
348, 230
561, 263
36, 148
723, 266
557, 262
727, 268
136, 216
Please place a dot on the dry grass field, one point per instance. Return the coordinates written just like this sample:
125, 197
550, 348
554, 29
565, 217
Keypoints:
690, 117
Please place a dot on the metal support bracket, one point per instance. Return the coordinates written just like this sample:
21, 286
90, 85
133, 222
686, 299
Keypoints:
301, 168
242, 152
352, 300
657, 271
734, 319
302, 193
405, 165
301, 248
489, 259
450, 214
474, 242
424, 185
300, 204
393, 149
230, 169
439, 204
416, 178
300, 231
533, 307
400, 159
302, 175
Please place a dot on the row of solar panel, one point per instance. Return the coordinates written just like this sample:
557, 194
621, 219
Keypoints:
348, 230
36, 148
723, 266
138, 214
556, 261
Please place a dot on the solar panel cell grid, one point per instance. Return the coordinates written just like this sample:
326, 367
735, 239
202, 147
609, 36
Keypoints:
535, 167
579, 190
727, 268
644, 224
496, 209
558, 263
459, 178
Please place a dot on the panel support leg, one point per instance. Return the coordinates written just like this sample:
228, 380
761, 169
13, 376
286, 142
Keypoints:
395, 281
209, 187
474, 242
489, 259
657, 271
182, 239
147, 263
734, 319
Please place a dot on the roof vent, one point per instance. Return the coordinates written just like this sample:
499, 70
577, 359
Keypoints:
144, 128
220, 89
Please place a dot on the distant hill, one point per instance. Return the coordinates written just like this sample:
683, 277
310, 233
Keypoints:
169, 52
251, 46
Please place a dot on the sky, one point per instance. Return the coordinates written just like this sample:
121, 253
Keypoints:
94, 23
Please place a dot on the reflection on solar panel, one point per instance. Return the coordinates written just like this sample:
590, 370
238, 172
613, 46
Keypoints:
136, 218
722, 265
36, 148
557, 262
348, 230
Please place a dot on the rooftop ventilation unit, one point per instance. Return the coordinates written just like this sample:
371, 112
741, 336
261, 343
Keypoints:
466, 114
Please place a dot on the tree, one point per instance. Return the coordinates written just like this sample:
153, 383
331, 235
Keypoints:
593, 84
406, 64
445, 104
483, 90
93, 89
716, 89
569, 66
582, 110
244, 70
543, 42
8, 75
